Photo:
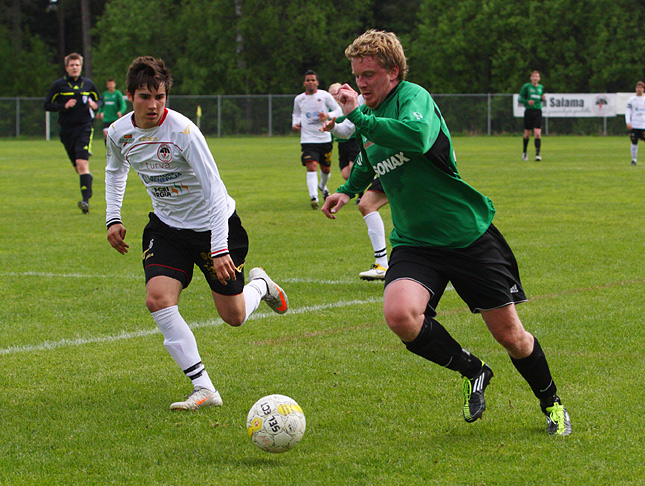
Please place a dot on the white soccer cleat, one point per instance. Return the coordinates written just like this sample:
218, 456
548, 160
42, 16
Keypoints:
538, 158
377, 272
199, 398
525, 156
276, 298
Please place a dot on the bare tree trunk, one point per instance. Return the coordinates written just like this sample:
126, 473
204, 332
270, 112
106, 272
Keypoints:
60, 14
86, 25
16, 30
239, 39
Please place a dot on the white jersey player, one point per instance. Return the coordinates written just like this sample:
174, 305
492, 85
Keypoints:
310, 110
193, 222
635, 119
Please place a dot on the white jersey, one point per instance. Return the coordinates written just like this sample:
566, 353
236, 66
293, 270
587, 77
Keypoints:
346, 128
178, 171
635, 112
306, 108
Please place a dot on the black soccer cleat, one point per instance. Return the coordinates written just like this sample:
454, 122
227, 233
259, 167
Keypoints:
473, 390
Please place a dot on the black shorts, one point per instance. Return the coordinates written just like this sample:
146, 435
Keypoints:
635, 134
106, 125
484, 274
376, 186
173, 252
77, 141
532, 119
318, 152
347, 152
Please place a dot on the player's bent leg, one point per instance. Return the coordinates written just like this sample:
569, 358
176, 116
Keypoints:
404, 304
507, 329
230, 308
162, 292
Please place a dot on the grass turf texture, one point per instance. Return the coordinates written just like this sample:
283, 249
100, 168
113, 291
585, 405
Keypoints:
86, 382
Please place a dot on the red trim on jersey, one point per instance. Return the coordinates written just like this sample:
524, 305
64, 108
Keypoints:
163, 117
215, 254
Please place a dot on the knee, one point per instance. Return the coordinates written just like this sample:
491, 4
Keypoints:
402, 322
516, 343
157, 301
234, 321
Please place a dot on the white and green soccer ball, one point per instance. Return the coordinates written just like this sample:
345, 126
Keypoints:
276, 423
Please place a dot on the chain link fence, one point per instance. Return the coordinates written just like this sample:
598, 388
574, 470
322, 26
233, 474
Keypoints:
270, 115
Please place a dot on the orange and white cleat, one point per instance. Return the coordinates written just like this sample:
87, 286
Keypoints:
276, 298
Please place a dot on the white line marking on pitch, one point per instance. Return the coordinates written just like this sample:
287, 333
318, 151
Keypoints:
68, 343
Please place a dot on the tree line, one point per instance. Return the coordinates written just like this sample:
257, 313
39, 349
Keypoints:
256, 47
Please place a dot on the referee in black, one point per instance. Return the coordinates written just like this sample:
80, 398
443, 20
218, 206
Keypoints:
76, 98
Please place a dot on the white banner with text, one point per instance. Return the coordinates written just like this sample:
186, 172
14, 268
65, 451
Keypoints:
572, 105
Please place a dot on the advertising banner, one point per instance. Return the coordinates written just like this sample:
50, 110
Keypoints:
573, 105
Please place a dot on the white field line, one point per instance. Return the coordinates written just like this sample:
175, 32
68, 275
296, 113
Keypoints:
141, 277
68, 343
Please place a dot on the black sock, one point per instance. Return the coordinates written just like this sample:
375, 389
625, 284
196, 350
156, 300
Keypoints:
435, 344
538, 144
525, 141
86, 186
535, 371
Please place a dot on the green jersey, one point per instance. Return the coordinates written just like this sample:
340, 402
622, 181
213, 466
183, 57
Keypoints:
530, 92
113, 103
406, 142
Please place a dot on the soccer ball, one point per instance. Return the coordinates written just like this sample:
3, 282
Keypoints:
276, 423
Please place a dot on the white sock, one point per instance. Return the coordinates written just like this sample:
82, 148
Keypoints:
312, 184
323, 179
376, 232
180, 342
253, 293
634, 149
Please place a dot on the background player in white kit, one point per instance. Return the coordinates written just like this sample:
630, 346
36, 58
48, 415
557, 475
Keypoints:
194, 221
635, 119
310, 110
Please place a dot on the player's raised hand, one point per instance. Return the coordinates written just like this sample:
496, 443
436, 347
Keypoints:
348, 98
328, 125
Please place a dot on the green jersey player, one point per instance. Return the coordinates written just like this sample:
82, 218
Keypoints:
443, 229
113, 106
531, 96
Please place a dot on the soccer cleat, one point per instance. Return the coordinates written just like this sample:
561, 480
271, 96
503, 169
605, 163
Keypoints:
525, 156
473, 390
325, 192
633, 162
377, 272
557, 419
314, 203
200, 397
276, 298
538, 158
84, 206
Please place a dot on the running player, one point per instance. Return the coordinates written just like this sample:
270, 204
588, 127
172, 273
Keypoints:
310, 110
635, 119
443, 229
193, 222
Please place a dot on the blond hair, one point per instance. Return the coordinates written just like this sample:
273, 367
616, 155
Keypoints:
384, 47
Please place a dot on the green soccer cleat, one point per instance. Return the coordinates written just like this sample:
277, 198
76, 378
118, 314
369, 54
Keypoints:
473, 389
557, 420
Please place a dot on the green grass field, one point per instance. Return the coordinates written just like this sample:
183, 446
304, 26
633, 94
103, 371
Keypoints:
86, 383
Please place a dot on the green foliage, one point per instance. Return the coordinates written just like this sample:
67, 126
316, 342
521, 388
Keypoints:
258, 47
28, 73
86, 382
